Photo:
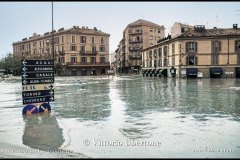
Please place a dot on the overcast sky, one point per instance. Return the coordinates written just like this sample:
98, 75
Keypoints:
22, 19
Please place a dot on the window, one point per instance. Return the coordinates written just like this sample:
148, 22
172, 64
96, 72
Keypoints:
237, 46
173, 49
73, 39
102, 40
216, 46
62, 59
73, 59
182, 30
150, 30
155, 53
173, 60
82, 50
160, 52
191, 46
191, 60
93, 49
159, 31
47, 42
62, 48
215, 58
83, 39
62, 39
83, 60
238, 59
165, 58
93, 60
92, 39
102, 60
102, 48
73, 48
57, 40
150, 54
84, 71
151, 37
138, 39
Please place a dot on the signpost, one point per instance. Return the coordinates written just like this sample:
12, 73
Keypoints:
37, 80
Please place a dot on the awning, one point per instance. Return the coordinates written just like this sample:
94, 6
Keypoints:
191, 71
158, 71
149, 70
216, 71
153, 71
145, 71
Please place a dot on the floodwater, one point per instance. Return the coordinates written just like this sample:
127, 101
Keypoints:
126, 117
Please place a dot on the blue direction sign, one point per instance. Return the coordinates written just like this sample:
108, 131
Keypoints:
39, 93
35, 73
27, 75
37, 62
38, 99
37, 81
37, 68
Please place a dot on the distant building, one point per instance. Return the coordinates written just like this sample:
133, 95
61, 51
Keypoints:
78, 51
136, 36
198, 52
179, 28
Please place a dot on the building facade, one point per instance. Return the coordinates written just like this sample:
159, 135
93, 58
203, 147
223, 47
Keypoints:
77, 51
136, 36
198, 52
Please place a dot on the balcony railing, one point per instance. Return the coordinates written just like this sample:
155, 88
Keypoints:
135, 57
88, 52
89, 63
135, 41
134, 48
62, 53
135, 32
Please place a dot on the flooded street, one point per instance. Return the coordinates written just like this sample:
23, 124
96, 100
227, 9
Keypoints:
128, 116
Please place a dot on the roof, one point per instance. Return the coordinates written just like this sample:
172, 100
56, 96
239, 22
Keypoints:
210, 32
73, 30
141, 22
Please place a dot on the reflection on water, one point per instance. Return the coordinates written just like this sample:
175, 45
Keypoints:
184, 115
42, 132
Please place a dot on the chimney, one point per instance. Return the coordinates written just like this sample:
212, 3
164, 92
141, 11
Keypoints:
235, 26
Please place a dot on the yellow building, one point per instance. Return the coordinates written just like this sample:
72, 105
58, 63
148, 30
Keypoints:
78, 51
197, 52
136, 36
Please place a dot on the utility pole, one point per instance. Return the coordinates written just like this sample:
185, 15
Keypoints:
52, 36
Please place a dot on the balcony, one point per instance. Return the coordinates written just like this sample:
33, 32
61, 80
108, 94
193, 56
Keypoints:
88, 63
135, 57
61, 53
135, 48
135, 41
135, 32
88, 52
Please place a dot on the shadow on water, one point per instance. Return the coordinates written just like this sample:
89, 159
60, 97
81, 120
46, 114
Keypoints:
42, 132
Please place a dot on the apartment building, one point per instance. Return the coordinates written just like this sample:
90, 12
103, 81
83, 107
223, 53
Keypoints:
198, 52
136, 36
77, 51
